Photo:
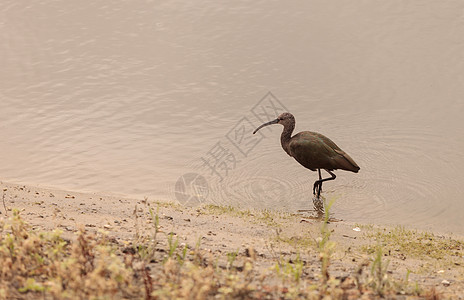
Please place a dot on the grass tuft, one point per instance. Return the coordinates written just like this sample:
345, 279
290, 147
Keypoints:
402, 242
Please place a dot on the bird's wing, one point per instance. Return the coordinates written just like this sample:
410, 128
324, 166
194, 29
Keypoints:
316, 151
310, 151
346, 161
340, 159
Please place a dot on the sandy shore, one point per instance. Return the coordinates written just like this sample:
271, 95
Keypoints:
226, 230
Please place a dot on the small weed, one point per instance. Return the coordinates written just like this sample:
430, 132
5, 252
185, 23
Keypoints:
3, 200
172, 244
267, 217
298, 242
146, 246
231, 256
212, 209
379, 277
31, 286
364, 226
326, 247
290, 269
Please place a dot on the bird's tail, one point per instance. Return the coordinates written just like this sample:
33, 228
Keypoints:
346, 162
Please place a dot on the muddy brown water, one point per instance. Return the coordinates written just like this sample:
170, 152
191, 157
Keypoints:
159, 99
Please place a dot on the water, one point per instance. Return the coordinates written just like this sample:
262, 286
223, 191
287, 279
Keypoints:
125, 97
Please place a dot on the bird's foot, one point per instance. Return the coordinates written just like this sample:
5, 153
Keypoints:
317, 188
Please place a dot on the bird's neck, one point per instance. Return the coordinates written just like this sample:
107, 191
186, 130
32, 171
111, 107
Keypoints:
285, 137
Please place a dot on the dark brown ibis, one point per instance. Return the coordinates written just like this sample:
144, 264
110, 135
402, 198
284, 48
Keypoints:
312, 150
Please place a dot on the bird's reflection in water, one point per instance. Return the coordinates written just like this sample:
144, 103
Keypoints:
318, 212
318, 203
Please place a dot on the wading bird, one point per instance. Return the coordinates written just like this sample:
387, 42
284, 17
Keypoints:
312, 150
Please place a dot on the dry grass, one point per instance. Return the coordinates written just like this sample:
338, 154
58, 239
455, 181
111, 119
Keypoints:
154, 265
442, 252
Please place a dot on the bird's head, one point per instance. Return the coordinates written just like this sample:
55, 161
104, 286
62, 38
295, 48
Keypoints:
285, 119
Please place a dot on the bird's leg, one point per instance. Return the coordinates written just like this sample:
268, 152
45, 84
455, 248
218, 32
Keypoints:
320, 181
317, 184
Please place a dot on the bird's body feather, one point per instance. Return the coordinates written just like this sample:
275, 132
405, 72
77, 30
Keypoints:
316, 151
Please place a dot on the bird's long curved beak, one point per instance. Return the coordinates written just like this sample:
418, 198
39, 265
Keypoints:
266, 124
